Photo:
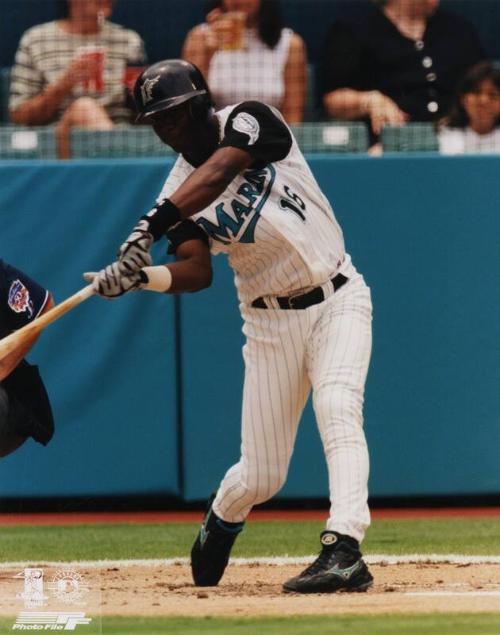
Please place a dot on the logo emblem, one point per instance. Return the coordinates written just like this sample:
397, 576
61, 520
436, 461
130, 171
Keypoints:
147, 89
33, 594
50, 621
19, 298
347, 572
328, 539
247, 124
68, 586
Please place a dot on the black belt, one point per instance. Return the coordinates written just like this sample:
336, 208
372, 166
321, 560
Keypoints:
315, 296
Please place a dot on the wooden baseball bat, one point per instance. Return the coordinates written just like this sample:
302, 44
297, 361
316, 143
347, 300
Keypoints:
19, 337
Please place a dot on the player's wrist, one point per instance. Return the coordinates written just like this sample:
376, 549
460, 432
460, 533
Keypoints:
157, 278
161, 218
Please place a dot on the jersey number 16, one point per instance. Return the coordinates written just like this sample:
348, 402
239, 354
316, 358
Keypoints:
293, 203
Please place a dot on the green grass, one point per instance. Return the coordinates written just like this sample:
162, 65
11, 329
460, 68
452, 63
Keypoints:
426, 624
471, 536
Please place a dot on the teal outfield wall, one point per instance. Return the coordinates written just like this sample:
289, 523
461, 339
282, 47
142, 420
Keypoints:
147, 389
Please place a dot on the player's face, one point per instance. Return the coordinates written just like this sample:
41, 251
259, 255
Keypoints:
483, 106
173, 126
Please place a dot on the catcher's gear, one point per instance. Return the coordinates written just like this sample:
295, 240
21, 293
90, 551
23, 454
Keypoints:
115, 280
29, 410
134, 252
168, 84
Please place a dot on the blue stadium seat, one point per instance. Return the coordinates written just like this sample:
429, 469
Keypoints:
120, 143
412, 137
22, 142
338, 137
4, 94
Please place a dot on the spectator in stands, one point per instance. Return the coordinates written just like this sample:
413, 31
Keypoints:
473, 124
400, 62
71, 71
267, 62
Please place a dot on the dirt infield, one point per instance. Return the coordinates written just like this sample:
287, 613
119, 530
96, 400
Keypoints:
255, 590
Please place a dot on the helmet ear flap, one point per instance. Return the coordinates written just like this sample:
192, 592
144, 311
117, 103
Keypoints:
200, 107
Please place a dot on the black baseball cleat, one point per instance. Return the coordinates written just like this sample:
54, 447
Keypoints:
339, 567
211, 549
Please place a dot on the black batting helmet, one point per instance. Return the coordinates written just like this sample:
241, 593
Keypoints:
168, 84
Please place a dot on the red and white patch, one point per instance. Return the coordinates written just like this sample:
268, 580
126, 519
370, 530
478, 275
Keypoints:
19, 298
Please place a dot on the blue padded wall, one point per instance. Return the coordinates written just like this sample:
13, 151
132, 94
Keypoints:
109, 367
422, 229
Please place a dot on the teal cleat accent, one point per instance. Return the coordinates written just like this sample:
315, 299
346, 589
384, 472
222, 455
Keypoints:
212, 547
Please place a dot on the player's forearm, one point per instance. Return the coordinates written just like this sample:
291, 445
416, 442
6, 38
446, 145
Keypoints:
42, 108
10, 361
189, 276
207, 182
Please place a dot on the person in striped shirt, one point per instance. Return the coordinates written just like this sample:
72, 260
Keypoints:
70, 72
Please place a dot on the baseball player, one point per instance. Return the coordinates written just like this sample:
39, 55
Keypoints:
242, 187
25, 409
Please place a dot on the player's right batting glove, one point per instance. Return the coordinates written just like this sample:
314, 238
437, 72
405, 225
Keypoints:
115, 280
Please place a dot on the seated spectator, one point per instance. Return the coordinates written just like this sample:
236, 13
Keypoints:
266, 63
401, 62
473, 124
71, 71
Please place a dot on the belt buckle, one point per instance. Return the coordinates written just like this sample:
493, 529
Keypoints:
291, 299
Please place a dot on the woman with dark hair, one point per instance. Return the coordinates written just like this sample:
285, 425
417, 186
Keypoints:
473, 124
246, 53
400, 61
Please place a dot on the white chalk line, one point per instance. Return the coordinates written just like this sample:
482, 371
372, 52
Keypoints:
454, 593
374, 559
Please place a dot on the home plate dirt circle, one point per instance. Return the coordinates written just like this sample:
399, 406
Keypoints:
254, 589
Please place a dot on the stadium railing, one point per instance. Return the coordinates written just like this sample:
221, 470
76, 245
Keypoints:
19, 142
4, 94
335, 136
120, 143
412, 137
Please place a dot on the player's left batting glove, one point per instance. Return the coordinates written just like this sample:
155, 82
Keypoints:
134, 252
150, 228
115, 280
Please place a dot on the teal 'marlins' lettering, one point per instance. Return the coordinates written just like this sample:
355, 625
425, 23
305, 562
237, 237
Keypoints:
239, 226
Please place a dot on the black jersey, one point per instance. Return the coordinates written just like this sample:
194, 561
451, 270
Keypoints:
21, 299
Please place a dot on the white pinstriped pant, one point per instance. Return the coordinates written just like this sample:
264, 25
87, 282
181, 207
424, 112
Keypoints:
325, 347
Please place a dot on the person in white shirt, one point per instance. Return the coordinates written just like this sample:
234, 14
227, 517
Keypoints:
473, 125
245, 53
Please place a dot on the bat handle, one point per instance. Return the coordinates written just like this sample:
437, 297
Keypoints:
63, 307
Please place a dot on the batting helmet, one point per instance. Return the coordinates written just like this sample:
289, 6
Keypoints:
168, 84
